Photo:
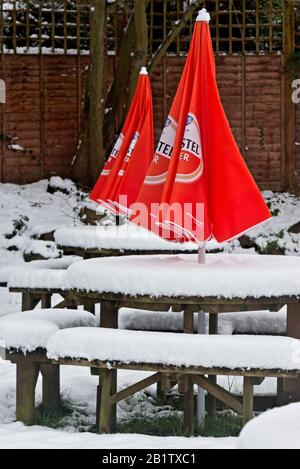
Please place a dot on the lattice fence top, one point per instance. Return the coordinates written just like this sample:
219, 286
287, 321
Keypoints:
62, 26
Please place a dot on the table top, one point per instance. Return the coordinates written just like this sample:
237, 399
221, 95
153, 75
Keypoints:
224, 276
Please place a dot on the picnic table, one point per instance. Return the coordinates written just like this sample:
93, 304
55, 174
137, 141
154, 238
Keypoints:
226, 284
113, 241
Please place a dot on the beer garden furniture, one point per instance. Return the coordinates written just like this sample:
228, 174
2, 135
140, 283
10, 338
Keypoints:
109, 241
226, 284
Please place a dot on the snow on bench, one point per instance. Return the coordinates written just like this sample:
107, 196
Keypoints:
257, 323
39, 279
184, 350
127, 237
52, 264
30, 330
275, 429
185, 358
224, 276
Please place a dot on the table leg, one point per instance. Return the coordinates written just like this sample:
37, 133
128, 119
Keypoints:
51, 387
109, 319
188, 387
28, 302
109, 315
293, 330
211, 400
188, 406
46, 301
188, 319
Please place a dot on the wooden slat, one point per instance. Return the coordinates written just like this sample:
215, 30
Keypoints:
143, 384
219, 393
159, 368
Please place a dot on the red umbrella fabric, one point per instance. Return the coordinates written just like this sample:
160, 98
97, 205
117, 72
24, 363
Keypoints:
198, 185
124, 173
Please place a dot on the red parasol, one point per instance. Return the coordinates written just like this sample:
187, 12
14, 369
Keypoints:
123, 175
198, 185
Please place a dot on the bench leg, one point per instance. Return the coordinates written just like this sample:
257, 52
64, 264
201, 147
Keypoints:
188, 407
27, 375
51, 387
106, 423
28, 302
282, 396
46, 301
248, 400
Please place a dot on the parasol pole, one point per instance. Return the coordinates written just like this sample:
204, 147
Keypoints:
201, 330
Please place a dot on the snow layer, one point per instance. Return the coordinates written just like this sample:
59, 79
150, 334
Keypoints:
224, 275
276, 429
179, 350
57, 264
260, 322
30, 330
17, 436
128, 236
45, 279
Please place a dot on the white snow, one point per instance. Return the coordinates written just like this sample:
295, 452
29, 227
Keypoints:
124, 237
203, 15
30, 330
260, 322
261, 352
17, 436
276, 429
29, 211
45, 279
50, 264
224, 275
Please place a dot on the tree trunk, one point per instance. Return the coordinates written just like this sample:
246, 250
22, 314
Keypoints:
90, 158
141, 44
115, 100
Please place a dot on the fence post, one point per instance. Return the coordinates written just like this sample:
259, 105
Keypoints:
289, 113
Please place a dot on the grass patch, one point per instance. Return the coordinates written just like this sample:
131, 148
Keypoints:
69, 414
223, 425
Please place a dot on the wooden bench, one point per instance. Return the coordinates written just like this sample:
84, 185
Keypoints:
186, 359
39, 285
23, 339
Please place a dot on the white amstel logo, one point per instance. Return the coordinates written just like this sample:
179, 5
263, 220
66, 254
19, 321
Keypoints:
191, 165
159, 168
114, 154
130, 151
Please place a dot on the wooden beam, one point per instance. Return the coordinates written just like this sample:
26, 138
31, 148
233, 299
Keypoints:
247, 400
27, 375
28, 301
219, 393
51, 386
188, 407
105, 421
188, 319
109, 315
159, 368
125, 393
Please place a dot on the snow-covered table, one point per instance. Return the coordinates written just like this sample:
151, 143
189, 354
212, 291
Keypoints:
128, 239
227, 283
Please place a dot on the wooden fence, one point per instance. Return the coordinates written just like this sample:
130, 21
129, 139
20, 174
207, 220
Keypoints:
44, 55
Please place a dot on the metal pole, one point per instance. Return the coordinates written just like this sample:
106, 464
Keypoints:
201, 330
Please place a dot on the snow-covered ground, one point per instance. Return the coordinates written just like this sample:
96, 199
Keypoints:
26, 213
